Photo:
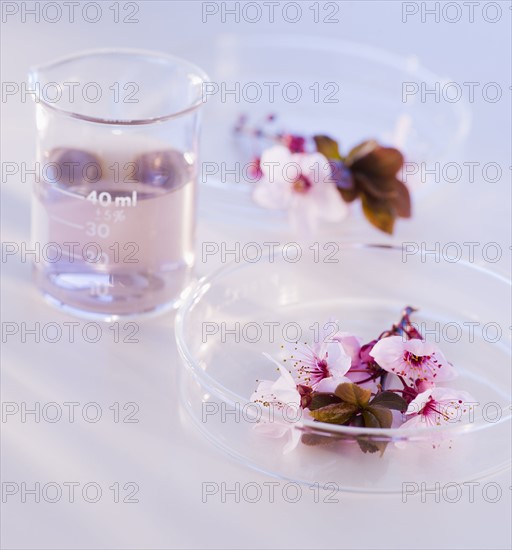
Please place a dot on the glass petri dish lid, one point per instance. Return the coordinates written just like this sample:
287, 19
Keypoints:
317, 85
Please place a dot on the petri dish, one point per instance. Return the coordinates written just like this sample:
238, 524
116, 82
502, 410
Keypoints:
365, 290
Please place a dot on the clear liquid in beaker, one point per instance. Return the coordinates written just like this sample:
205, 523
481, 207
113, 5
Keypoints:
121, 245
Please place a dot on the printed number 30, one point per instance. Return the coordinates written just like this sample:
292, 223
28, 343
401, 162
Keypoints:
101, 230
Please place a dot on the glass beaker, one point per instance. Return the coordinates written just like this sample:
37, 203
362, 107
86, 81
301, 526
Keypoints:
113, 211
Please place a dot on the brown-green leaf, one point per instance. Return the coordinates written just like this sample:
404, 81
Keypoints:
353, 394
320, 400
380, 161
328, 147
316, 439
336, 413
348, 195
365, 444
371, 446
377, 417
401, 200
389, 400
381, 214
360, 151
375, 187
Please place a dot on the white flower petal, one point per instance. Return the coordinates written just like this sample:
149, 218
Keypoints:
273, 163
284, 373
331, 207
263, 390
294, 436
388, 353
351, 345
419, 347
271, 429
416, 421
419, 402
303, 214
337, 360
329, 385
450, 394
284, 388
315, 167
275, 196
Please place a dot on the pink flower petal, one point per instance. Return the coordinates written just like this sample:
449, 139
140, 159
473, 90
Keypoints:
415, 422
329, 385
294, 435
274, 196
388, 353
331, 207
271, 429
339, 362
273, 163
419, 402
315, 167
351, 345
303, 214
412, 359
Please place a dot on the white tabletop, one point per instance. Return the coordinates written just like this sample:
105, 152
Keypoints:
163, 456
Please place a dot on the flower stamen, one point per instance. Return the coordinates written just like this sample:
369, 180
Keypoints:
302, 184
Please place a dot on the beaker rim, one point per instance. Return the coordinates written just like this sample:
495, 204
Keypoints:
35, 72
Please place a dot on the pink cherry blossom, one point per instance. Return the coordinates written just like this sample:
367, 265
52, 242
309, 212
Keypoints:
300, 183
351, 346
322, 365
436, 406
281, 395
412, 359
